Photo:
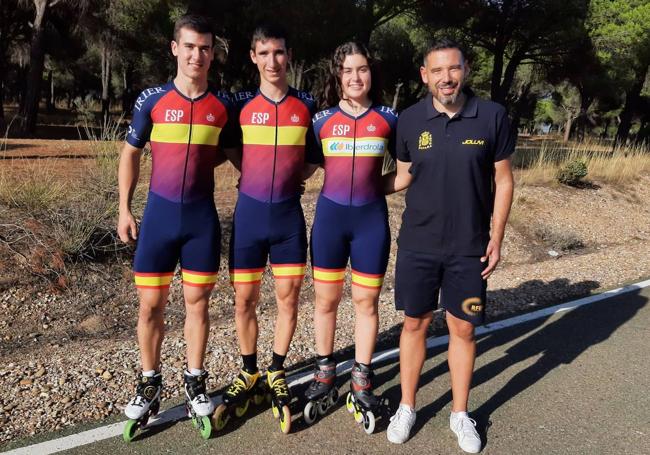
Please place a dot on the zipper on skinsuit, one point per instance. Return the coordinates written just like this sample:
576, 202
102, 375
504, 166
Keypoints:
275, 150
187, 152
354, 152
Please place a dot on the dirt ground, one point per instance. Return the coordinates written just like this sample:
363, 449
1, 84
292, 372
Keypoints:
562, 242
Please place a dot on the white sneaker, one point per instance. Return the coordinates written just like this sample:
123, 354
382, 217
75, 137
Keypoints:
465, 429
400, 424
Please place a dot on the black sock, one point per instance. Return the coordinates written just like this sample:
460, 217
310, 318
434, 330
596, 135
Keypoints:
278, 362
250, 362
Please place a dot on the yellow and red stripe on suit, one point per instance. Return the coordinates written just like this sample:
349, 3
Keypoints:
277, 139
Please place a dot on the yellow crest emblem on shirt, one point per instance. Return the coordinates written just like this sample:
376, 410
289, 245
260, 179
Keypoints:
425, 141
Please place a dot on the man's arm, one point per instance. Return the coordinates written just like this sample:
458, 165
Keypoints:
504, 187
398, 180
127, 177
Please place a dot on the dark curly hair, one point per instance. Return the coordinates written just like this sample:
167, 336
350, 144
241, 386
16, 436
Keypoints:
333, 92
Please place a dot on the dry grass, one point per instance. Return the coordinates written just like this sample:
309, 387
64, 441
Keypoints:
606, 164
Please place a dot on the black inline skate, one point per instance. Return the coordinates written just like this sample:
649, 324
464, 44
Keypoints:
360, 400
280, 398
198, 405
245, 388
144, 405
322, 393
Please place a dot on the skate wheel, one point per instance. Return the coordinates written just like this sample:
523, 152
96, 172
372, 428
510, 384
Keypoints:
195, 422
333, 396
220, 417
130, 429
349, 403
258, 399
285, 420
241, 410
310, 413
323, 406
276, 410
358, 416
205, 426
369, 422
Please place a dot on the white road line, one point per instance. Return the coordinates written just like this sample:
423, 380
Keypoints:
178, 412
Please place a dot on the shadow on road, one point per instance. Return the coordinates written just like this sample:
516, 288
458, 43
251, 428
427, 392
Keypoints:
558, 343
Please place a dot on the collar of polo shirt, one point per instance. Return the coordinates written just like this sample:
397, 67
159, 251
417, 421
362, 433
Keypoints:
470, 109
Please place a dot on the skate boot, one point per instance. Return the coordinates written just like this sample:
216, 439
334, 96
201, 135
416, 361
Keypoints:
280, 398
145, 404
322, 393
198, 405
360, 401
237, 397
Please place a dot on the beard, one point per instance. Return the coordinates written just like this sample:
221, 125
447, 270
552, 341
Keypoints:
447, 100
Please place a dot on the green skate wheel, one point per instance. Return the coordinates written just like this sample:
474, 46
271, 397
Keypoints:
241, 410
130, 429
285, 419
276, 410
195, 422
349, 403
358, 415
220, 417
369, 422
310, 413
205, 425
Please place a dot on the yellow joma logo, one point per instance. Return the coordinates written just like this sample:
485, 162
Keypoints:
473, 142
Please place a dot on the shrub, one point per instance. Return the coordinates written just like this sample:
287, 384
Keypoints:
572, 172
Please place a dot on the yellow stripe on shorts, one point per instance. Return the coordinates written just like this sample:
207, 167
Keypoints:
328, 275
246, 275
191, 278
288, 270
366, 280
153, 280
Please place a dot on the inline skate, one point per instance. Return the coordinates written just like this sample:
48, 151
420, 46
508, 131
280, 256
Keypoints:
322, 393
236, 399
360, 400
144, 405
198, 405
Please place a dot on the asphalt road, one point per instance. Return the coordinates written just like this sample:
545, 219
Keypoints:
572, 383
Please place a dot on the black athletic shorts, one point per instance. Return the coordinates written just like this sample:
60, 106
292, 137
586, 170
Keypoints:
421, 277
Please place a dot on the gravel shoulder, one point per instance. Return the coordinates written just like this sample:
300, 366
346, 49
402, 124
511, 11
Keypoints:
69, 356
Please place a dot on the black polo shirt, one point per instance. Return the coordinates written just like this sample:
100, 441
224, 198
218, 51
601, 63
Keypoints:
449, 202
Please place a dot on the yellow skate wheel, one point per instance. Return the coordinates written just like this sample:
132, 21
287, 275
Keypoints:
358, 416
205, 425
220, 417
276, 410
349, 403
258, 399
130, 429
241, 410
285, 420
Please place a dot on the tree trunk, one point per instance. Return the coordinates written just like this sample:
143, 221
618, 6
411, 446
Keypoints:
35, 74
632, 99
127, 91
398, 87
497, 70
106, 81
567, 128
50, 97
3, 122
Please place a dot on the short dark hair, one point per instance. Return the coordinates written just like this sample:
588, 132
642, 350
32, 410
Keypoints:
269, 31
443, 43
194, 22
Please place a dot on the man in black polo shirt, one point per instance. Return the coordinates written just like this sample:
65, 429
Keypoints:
453, 153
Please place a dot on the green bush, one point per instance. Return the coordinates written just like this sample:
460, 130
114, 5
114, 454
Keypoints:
572, 172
